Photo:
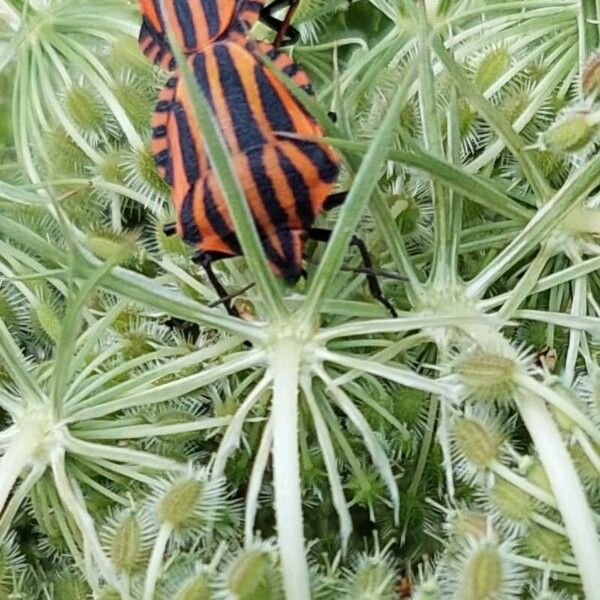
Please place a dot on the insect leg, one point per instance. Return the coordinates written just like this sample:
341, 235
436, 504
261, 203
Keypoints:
335, 200
170, 229
205, 260
323, 235
284, 27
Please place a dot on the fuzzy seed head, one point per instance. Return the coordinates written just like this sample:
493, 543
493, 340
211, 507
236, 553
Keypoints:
482, 577
545, 544
428, 590
67, 156
487, 373
48, 320
492, 66
481, 570
112, 246
191, 504
373, 579
85, 109
148, 172
587, 471
511, 503
136, 103
534, 472
12, 564
178, 505
109, 593
477, 443
126, 57
574, 132
126, 536
252, 574
197, 587
111, 168
126, 544
590, 77
466, 523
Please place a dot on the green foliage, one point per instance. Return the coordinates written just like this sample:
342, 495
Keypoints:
147, 452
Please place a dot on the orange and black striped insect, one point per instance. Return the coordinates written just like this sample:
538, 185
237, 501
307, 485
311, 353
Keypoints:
287, 182
198, 23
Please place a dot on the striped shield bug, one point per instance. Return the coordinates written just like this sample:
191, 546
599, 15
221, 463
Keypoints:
198, 23
287, 180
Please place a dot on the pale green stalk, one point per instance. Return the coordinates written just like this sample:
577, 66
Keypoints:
569, 493
155, 562
285, 363
257, 473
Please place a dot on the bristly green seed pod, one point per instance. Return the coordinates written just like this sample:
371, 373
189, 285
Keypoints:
112, 246
545, 544
476, 445
493, 64
136, 101
189, 505
428, 590
481, 570
573, 132
85, 110
10, 303
109, 593
373, 577
534, 472
590, 476
253, 573
125, 57
590, 77
563, 421
126, 537
142, 176
111, 169
510, 505
69, 584
168, 244
465, 523
66, 156
48, 320
179, 504
488, 373
197, 587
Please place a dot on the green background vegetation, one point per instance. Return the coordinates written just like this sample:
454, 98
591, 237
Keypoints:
452, 452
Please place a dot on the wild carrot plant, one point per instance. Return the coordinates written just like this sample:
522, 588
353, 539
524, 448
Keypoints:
154, 447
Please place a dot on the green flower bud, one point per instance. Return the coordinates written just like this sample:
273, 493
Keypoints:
253, 574
197, 587
85, 109
477, 443
545, 544
493, 65
573, 132
511, 503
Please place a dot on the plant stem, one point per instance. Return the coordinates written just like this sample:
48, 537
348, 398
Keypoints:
261, 457
567, 489
536, 231
285, 362
587, 18
154, 565
495, 118
363, 187
13, 462
84, 521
